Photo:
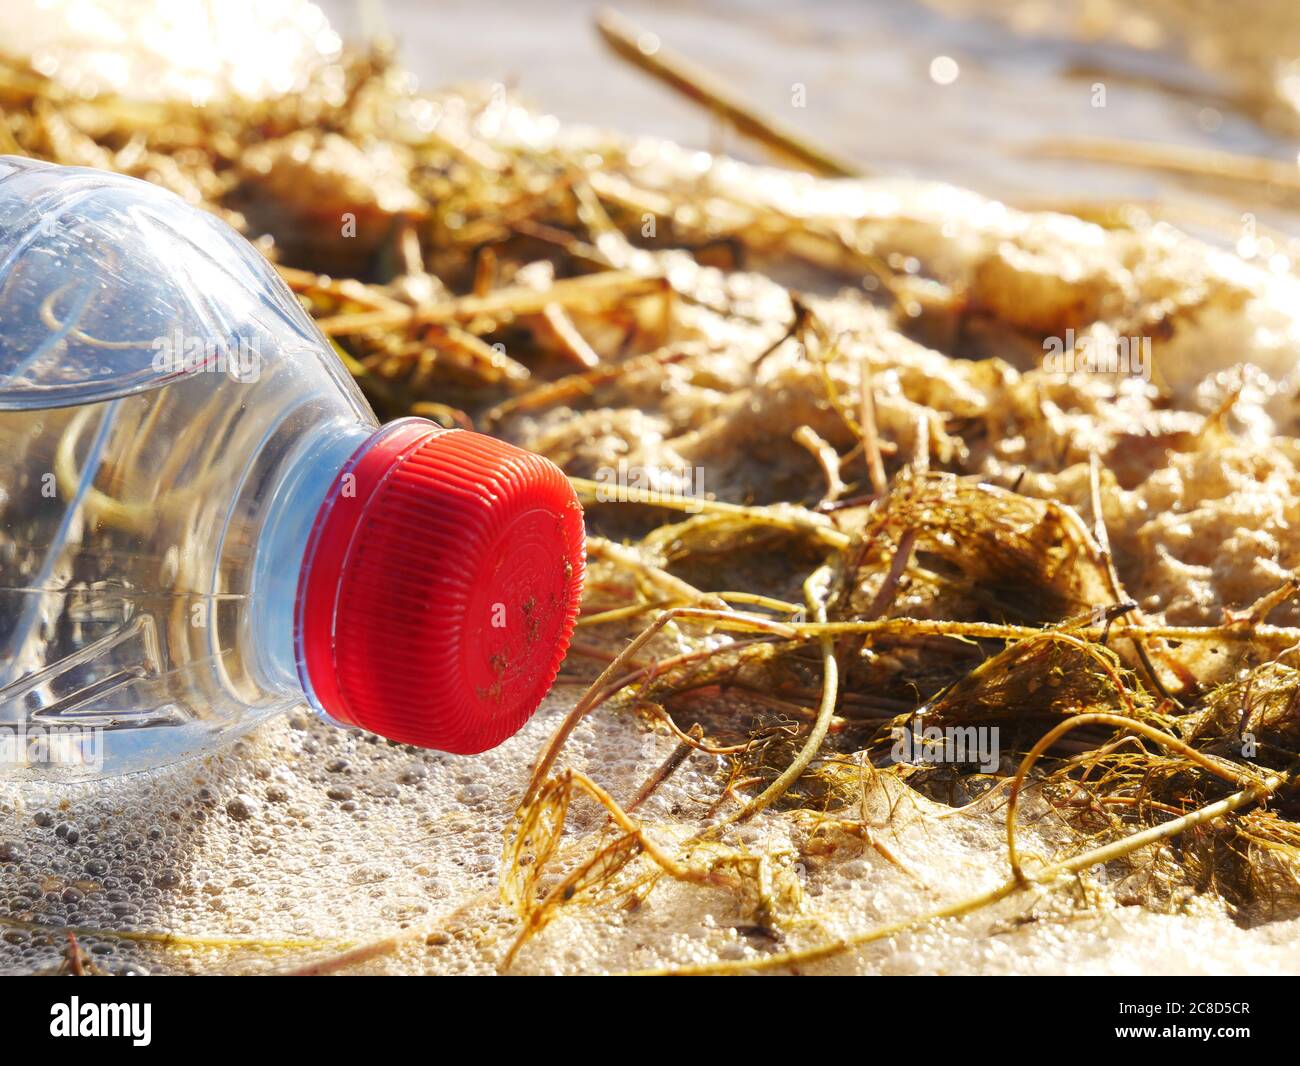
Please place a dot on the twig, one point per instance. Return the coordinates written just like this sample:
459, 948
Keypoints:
827, 458
870, 435
680, 753
701, 87
1175, 159
588, 290
786, 516
1117, 592
573, 343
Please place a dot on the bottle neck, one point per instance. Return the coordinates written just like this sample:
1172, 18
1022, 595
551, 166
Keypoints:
309, 479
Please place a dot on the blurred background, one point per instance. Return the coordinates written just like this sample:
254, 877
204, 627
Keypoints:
976, 92
1187, 108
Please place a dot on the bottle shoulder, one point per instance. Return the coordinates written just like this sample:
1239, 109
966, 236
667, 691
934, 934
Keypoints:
111, 286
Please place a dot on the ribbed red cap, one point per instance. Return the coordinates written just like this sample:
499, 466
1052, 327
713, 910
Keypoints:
440, 587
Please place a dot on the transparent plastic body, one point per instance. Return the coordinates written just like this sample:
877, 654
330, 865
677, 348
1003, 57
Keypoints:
171, 422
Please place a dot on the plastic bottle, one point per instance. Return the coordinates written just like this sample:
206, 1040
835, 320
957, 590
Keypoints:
202, 524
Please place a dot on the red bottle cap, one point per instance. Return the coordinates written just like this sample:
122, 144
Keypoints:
440, 587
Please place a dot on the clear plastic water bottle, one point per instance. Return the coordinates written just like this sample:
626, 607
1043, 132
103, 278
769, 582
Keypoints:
203, 525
